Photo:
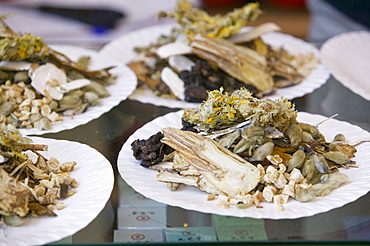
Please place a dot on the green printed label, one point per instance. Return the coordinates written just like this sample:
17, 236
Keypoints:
241, 233
190, 234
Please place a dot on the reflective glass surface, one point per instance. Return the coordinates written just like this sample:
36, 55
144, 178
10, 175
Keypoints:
118, 222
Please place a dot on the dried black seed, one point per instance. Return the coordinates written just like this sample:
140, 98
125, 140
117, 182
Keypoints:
151, 151
203, 77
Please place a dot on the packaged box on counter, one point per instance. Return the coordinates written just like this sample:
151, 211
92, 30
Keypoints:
129, 197
241, 233
138, 236
141, 217
190, 234
230, 228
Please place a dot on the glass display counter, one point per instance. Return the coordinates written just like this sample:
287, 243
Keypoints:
129, 217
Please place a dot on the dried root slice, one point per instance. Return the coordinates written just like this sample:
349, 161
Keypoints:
171, 177
13, 196
221, 169
256, 32
239, 62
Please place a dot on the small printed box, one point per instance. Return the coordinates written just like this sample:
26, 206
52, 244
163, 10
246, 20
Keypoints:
138, 217
219, 220
129, 197
137, 199
190, 234
138, 236
241, 233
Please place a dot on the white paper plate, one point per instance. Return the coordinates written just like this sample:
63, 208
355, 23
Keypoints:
347, 56
126, 83
122, 49
143, 180
94, 174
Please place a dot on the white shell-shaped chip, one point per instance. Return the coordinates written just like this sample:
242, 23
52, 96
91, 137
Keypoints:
180, 63
173, 81
256, 32
175, 48
75, 84
51, 80
47, 78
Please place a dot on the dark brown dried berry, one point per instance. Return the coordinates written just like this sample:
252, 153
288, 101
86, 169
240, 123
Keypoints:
203, 77
187, 126
150, 151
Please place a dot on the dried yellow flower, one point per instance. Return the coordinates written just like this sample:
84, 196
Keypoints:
222, 110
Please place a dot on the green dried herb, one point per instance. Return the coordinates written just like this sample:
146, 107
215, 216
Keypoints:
23, 48
196, 21
221, 110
